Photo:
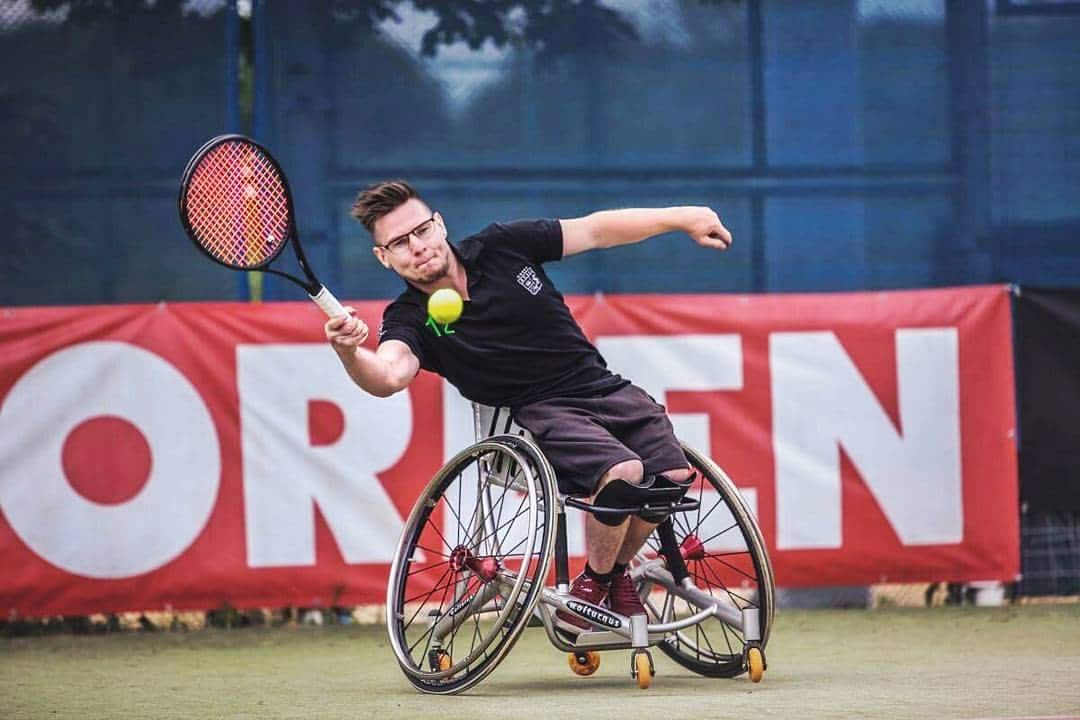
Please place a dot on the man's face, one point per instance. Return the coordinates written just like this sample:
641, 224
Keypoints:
411, 241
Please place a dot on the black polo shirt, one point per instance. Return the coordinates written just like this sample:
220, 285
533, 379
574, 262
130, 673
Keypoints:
515, 342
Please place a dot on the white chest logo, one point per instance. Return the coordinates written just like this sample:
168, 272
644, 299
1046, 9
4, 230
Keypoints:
527, 278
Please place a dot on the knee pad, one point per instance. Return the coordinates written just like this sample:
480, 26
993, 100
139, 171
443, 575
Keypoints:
668, 491
616, 495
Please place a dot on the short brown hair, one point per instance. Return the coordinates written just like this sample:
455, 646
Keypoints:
379, 199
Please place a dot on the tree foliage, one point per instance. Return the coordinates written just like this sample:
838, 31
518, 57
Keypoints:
552, 27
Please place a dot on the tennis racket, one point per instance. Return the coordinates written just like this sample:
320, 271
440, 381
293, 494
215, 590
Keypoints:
236, 206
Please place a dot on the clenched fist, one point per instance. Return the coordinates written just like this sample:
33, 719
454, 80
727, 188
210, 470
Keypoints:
346, 331
704, 226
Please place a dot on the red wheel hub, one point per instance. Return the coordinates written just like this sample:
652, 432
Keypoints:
692, 548
485, 568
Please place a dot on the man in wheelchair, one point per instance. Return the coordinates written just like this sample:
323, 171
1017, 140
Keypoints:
516, 345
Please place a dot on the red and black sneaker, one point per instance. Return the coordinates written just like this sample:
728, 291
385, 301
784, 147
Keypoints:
584, 588
623, 597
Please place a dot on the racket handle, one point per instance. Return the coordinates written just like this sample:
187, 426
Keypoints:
329, 304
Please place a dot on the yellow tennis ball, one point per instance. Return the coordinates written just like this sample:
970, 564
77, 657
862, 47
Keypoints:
445, 306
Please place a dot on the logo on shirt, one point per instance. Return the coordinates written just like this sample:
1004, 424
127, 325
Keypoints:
439, 329
527, 278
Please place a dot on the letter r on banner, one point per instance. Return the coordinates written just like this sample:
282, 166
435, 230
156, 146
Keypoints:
285, 477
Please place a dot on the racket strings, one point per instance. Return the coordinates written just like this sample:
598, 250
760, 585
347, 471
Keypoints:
237, 205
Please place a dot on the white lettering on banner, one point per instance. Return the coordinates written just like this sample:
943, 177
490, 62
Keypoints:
285, 477
821, 402
74, 533
658, 363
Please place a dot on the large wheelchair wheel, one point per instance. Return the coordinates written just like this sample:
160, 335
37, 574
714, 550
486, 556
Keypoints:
471, 563
725, 556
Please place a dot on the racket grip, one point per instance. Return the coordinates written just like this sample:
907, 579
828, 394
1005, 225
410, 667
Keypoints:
329, 304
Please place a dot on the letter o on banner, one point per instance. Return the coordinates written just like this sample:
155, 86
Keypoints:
68, 530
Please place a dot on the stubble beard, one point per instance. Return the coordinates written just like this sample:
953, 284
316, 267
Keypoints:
431, 275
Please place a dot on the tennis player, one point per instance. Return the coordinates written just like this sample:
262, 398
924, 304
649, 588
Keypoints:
516, 345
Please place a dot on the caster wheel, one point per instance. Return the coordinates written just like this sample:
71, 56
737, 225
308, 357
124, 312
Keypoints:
641, 667
583, 663
440, 660
755, 664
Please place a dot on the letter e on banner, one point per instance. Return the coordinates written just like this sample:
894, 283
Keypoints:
690, 362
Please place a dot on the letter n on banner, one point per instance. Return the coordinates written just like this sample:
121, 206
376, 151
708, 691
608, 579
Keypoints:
822, 403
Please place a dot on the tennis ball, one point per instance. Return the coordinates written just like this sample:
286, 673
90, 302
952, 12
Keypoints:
445, 306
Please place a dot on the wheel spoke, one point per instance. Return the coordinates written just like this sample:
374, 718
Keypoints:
420, 607
739, 570
717, 504
431, 630
433, 552
732, 526
509, 522
424, 569
433, 590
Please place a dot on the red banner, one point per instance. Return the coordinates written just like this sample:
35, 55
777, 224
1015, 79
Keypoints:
193, 454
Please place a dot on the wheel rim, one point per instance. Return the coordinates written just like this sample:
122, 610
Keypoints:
470, 565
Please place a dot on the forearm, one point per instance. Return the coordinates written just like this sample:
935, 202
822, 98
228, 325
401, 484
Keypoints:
374, 375
612, 228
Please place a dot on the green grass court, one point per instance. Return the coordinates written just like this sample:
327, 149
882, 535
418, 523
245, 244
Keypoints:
894, 663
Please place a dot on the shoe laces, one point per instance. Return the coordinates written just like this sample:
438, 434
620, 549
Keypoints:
589, 589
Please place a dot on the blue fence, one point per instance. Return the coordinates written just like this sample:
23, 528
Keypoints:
849, 144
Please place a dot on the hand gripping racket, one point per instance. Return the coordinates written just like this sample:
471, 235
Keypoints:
236, 205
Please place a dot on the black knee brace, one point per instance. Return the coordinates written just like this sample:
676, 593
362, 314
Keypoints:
617, 495
665, 490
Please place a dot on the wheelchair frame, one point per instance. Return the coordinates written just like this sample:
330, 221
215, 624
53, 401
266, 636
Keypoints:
487, 581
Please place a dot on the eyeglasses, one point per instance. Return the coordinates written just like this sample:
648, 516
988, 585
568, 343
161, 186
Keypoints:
422, 232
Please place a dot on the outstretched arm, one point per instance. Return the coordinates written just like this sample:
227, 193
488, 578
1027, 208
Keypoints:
611, 228
382, 373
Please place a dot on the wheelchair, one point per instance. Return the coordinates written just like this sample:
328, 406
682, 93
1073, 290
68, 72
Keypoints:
474, 564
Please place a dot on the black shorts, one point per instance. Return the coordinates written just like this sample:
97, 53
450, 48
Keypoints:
583, 437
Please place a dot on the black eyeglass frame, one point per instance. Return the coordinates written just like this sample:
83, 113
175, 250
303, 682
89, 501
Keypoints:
403, 241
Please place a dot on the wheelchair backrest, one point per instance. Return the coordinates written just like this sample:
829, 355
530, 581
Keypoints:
488, 421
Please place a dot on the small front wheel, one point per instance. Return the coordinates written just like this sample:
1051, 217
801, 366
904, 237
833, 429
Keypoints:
441, 660
583, 663
642, 669
755, 664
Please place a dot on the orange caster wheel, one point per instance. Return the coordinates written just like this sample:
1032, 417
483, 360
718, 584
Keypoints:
641, 668
440, 660
755, 664
583, 663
